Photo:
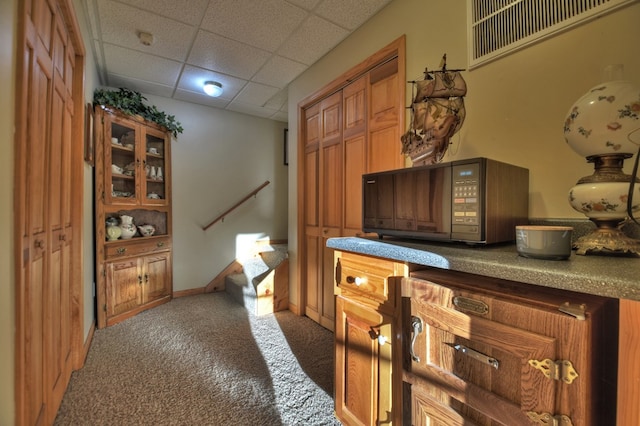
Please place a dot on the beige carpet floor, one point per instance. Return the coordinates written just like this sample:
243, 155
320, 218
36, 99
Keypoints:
203, 360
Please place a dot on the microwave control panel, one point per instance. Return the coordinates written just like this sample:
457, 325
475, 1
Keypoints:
466, 198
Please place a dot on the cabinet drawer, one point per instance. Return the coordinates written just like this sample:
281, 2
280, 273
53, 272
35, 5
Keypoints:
367, 276
126, 248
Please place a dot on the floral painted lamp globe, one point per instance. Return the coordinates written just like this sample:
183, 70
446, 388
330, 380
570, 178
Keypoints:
604, 126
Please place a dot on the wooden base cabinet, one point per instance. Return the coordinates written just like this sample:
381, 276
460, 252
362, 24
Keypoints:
367, 340
489, 352
136, 283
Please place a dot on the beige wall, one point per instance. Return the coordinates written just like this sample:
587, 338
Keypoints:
516, 105
7, 294
220, 158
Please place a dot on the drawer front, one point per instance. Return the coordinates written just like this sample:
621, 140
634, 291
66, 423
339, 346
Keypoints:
366, 276
126, 248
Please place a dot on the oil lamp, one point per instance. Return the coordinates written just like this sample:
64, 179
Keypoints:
604, 126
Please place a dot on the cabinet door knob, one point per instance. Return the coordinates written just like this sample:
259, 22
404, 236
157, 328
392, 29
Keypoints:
139, 279
39, 244
355, 280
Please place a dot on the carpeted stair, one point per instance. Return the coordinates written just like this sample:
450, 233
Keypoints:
263, 286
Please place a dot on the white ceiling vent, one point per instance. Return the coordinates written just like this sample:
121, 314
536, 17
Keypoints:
498, 27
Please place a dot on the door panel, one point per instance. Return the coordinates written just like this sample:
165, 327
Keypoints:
124, 282
156, 280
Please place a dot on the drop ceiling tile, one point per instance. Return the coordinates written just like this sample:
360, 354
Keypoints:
187, 11
280, 116
226, 56
91, 11
350, 14
256, 94
141, 86
121, 24
250, 109
312, 40
200, 98
264, 24
279, 71
278, 101
193, 78
141, 66
305, 4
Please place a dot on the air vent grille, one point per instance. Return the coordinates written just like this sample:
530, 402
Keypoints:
498, 27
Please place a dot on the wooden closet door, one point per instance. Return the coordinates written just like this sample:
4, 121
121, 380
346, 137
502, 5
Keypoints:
45, 171
355, 154
322, 204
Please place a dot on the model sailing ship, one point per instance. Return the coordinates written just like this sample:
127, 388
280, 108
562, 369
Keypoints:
437, 113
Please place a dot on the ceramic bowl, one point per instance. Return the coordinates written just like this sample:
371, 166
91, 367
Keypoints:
146, 230
544, 242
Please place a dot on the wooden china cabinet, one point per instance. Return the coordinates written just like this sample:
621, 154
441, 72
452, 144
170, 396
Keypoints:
133, 175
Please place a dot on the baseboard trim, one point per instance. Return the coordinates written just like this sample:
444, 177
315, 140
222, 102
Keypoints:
190, 292
87, 343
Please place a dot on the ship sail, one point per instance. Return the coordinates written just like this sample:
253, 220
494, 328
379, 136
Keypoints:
437, 112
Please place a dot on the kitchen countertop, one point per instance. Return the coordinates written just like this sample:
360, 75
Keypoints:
611, 276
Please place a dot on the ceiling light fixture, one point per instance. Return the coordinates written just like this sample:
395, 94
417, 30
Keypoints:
213, 88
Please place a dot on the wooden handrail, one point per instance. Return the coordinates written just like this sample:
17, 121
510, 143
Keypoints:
222, 216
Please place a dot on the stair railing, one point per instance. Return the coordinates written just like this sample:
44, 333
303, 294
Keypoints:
235, 206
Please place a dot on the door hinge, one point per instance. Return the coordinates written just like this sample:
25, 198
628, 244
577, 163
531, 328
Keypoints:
548, 419
555, 370
573, 309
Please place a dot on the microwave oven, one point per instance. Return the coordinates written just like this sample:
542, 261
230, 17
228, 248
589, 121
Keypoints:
477, 201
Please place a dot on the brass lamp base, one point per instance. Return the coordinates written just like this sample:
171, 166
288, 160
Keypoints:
607, 239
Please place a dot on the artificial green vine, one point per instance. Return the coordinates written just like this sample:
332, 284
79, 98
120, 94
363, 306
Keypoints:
131, 102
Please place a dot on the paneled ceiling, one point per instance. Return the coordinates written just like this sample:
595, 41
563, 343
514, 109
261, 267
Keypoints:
254, 48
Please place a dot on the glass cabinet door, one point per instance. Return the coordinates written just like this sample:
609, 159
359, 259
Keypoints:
155, 189
121, 162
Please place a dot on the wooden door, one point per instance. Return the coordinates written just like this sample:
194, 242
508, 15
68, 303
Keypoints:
323, 204
355, 154
386, 117
123, 286
157, 277
49, 123
363, 381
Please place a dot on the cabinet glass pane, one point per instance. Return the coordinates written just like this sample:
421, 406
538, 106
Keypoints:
155, 169
123, 163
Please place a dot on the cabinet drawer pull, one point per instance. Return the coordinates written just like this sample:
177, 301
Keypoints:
416, 324
355, 280
160, 244
121, 250
478, 356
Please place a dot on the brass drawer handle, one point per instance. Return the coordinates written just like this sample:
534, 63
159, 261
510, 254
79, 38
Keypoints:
160, 244
478, 356
121, 250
